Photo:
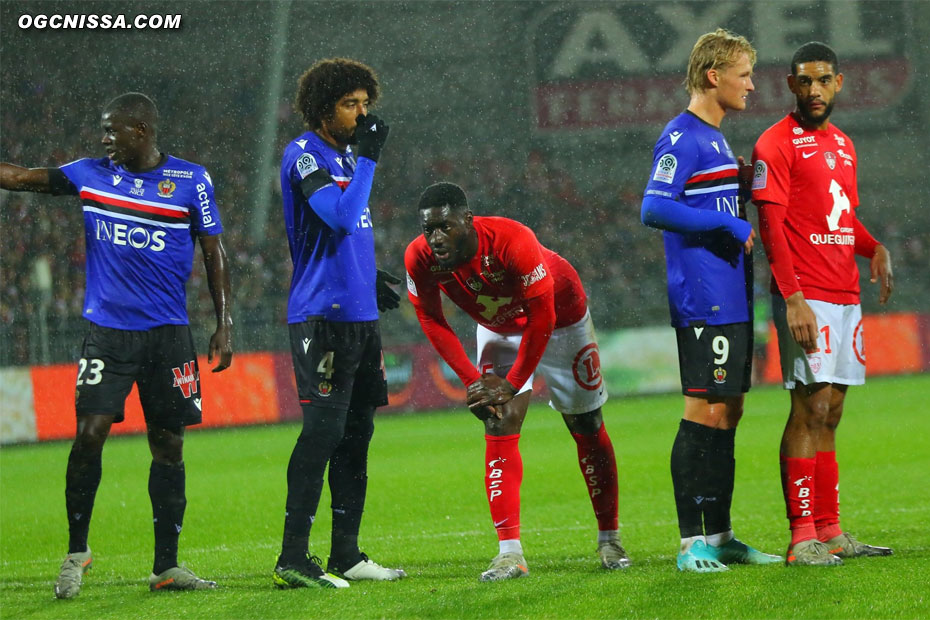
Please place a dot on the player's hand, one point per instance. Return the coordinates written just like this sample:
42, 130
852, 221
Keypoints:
802, 322
881, 270
486, 413
370, 135
747, 245
221, 347
388, 299
744, 174
489, 390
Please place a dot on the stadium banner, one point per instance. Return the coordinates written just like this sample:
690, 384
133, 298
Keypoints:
599, 66
37, 403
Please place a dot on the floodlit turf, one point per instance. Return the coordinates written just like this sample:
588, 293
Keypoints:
427, 513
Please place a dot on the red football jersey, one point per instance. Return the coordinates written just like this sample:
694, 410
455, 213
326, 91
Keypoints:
510, 267
811, 174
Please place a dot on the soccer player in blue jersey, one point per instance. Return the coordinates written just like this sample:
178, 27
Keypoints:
336, 293
143, 209
693, 195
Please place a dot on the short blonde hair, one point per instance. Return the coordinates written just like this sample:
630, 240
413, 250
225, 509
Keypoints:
715, 50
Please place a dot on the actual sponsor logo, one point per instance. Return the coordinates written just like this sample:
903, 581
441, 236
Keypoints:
204, 197
831, 159
760, 175
186, 379
538, 273
137, 189
586, 367
720, 375
306, 164
412, 286
166, 188
665, 169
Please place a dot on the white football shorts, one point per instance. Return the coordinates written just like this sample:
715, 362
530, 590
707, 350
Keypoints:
840, 354
571, 365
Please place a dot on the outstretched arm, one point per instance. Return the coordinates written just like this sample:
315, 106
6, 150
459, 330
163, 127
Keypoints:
18, 179
214, 258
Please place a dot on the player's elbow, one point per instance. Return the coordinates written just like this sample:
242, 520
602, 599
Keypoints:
648, 215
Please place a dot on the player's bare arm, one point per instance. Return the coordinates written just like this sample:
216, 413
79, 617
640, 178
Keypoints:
880, 268
18, 179
801, 321
214, 258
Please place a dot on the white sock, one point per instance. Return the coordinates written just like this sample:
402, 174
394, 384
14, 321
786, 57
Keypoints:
607, 535
687, 542
511, 546
722, 538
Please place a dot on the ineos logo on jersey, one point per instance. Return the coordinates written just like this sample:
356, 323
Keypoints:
137, 237
204, 199
728, 204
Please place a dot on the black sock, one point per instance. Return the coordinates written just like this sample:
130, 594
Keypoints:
689, 476
721, 468
81, 482
348, 483
166, 489
322, 430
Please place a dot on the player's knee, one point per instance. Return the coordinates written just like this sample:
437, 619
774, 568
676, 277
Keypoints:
584, 423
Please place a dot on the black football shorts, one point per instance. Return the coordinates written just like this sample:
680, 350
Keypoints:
715, 360
160, 360
338, 364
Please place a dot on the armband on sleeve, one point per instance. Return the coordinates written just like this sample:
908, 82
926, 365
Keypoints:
59, 183
314, 181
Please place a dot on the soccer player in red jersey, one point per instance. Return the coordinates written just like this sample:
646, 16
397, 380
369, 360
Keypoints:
532, 316
804, 184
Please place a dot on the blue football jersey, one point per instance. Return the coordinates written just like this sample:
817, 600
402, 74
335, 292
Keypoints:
139, 230
334, 269
707, 271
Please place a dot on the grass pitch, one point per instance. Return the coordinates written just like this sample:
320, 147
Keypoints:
427, 512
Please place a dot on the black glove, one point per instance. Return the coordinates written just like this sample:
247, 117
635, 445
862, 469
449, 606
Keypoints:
388, 299
370, 135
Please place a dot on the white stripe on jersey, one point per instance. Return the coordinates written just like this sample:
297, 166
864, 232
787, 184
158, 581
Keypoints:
131, 218
710, 190
715, 169
160, 205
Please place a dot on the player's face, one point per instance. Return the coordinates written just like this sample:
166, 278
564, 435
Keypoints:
340, 128
815, 86
449, 233
734, 83
122, 139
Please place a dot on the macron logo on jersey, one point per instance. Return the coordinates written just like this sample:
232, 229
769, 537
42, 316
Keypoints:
674, 136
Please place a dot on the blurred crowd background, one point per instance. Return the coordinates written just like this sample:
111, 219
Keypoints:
461, 82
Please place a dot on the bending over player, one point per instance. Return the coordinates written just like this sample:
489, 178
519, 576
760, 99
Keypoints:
532, 316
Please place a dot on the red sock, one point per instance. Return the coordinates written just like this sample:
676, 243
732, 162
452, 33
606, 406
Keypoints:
599, 468
827, 496
502, 478
797, 483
